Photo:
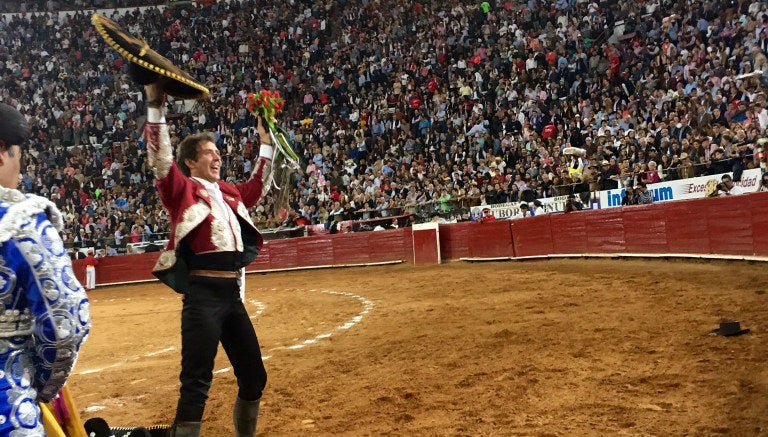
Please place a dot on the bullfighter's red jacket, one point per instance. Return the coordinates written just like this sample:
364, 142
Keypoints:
194, 219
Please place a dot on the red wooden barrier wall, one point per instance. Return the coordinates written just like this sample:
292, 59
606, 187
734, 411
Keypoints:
687, 227
736, 225
321, 250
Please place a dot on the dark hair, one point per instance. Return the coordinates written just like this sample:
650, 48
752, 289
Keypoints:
187, 149
14, 129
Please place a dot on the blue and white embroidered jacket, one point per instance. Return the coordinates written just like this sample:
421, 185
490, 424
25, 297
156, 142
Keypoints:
44, 311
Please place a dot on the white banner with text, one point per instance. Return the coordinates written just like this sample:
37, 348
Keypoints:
693, 188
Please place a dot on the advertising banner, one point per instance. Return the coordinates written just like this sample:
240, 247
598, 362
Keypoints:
512, 210
501, 211
693, 188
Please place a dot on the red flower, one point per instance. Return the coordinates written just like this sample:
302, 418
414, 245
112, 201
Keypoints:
267, 104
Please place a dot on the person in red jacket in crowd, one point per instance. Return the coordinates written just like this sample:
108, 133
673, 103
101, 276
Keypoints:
90, 262
487, 216
549, 131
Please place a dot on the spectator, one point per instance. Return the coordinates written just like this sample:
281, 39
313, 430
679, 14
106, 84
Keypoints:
444, 199
120, 237
135, 235
572, 204
652, 174
607, 179
642, 194
727, 188
763, 183
719, 163
110, 251
486, 216
146, 231
525, 211
629, 197
685, 167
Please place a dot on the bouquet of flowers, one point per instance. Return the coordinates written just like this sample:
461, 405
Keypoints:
267, 104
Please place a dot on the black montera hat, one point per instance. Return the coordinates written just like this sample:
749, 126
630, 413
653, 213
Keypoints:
146, 65
14, 130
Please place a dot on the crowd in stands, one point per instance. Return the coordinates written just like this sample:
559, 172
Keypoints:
394, 103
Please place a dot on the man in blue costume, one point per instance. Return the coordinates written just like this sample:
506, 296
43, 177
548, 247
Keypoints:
44, 311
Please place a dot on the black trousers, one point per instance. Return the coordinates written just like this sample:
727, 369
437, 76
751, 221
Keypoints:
213, 313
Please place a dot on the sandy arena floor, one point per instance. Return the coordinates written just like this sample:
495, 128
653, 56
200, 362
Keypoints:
550, 348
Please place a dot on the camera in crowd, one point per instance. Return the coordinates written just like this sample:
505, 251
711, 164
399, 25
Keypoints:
573, 204
715, 190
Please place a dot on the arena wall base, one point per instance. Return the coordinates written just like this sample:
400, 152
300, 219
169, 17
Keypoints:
623, 255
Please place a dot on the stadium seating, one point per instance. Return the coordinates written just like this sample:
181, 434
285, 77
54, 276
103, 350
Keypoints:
428, 108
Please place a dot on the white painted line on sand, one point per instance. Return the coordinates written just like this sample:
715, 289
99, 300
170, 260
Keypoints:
126, 361
367, 306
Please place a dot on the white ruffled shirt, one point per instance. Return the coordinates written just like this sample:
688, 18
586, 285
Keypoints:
215, 192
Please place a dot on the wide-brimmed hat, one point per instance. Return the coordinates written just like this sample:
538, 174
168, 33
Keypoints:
730, 328
146, 65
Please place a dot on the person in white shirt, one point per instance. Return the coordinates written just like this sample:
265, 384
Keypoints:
763, 184
525, 211
728, 188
